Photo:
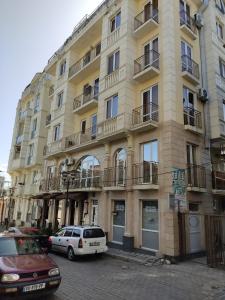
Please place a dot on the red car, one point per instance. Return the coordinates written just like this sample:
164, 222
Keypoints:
24, 269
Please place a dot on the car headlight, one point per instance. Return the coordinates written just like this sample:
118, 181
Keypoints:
10, 277
53, 272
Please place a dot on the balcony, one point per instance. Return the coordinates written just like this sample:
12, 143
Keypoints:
196, 178
87, 101
54, 149
190, 70
17, 163
86, 65
80, 139
51, 184
113, 37
145, 117
218, 182
48, 120
24, 114
145, 176
146, 22
115, 178
146, 66
193, 120
113, 128
187, 25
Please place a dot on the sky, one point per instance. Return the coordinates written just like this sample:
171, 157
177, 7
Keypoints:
30, 32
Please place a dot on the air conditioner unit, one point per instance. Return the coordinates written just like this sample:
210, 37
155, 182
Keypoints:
203, 95
198, 20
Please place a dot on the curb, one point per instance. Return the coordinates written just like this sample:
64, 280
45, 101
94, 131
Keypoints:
125, 258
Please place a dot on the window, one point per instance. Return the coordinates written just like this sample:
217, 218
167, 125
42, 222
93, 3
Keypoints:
185, 15
31, 149
60, 99
56, 133
83, 126
112, 107
62, 68
87, 57
149, 167
219, 30
115, 22
34, 178
151, 53
98, 49
76, 233
113, 62
150, 103
37, 103
220, 5
68, 232
191, 154
224, 110
222, 67
150, 151
93, 126
34, 128
93, 233
188, 103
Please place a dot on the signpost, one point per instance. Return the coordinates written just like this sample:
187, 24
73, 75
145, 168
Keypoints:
179, 189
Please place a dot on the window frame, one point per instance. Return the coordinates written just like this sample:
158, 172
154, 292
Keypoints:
56, 136
112, 101
115, 65
113, 20
59, 103
62, 68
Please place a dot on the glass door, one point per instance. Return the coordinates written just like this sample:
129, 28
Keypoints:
118, 221
150, 104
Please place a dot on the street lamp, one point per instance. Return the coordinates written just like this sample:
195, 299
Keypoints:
68, 178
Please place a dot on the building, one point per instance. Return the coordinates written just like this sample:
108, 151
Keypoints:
26, 155
126, 128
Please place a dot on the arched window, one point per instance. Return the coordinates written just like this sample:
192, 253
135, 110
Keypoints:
88, 173
120, 166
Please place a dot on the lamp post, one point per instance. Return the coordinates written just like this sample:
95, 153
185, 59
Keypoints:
68, 178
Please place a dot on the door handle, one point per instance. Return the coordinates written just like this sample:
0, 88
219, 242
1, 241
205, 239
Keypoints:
67, 240
59, 240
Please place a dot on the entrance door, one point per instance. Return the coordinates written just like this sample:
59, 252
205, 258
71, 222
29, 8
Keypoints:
94, 215
150, 225
195, 232
118, 221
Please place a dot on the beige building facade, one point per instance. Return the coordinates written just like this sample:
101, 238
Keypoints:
127, 140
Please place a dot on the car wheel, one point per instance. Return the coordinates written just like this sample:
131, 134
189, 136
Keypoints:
70, 254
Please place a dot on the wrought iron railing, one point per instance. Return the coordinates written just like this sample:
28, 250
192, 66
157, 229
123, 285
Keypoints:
196, 176
115, 176
85, 60
144, 16
149, 59
86, 97
145, 173
145, 113
189, 65
186, 19
218, 179
54, 147
192, 117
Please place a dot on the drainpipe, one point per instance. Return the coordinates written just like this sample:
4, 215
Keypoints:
204, 77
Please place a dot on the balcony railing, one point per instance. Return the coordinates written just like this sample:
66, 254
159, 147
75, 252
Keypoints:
24, 114
192, 117
80, 138
190, 66
54, 147
51, 184
144, 16
218, 180
115, 176
145, 173
48, 119
187, 20
111, 126
85, 60
145, 113
149, 59
85, 98
196, 176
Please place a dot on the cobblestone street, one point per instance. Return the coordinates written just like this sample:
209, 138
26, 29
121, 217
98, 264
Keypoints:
110, 278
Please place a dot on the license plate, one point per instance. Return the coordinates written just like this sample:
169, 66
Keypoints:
94, 244
34, 287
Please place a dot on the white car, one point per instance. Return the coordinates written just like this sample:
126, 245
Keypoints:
79, 240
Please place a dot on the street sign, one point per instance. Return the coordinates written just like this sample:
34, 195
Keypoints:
179, 188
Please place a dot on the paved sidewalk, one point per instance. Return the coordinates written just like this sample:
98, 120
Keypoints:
136, 257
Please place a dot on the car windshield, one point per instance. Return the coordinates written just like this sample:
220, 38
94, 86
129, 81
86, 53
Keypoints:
93, 233
19, 246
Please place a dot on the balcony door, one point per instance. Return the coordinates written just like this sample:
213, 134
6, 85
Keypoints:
188, 103
185, 14
192, 165
118, 221
120, 170
150, 103
151, 53
149, 167
93, 126
96, 88
186, 53
147, 12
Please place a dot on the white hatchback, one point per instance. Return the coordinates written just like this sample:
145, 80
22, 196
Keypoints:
79, 240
